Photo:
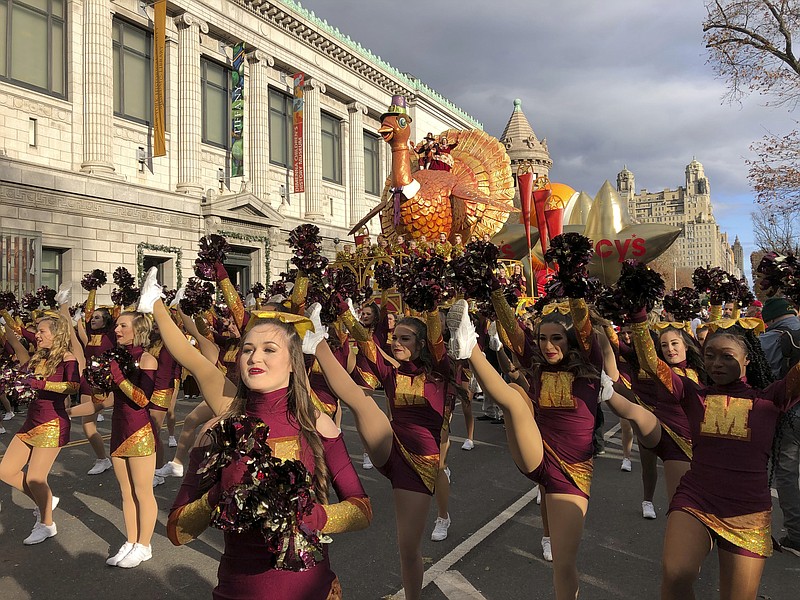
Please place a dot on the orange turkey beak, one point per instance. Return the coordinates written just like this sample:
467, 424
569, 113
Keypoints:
386, 132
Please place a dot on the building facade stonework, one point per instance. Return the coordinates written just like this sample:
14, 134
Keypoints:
80, 189
702, 242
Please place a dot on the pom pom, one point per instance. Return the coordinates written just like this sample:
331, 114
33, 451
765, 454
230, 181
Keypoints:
198, 297
328, 288
257, 290
423, 282
779, 274
473, 270
642, 286
205, 270
74, 310
272, 496
306, 243
98, 369
683, 304
8, 301
19, 391
383, 272
213, 250
124, 296
570, 251
123, 278
93, 280
613, 305
169, 296
47, 296
30, 302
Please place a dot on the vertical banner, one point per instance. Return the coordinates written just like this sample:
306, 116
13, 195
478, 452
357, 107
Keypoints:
297, 139
237, 111
159, 108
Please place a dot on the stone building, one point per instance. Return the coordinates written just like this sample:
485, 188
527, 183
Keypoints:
701, 242
523, 147
738, 254
80, 188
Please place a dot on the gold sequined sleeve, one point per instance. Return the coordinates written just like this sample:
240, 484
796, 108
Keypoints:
648, 358
233, 301
715, 312
356, 329
88, 308
62, 387
297, 299
11, 322
189, 521
435, 338
511, 334
612, 336
203, 328
579, 312
352, 514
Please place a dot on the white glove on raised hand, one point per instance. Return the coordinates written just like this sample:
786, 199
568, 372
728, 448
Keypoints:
312, 338
463, 338
606, 387
352, 308
276, 299
494, 339
64, 295
250, 301
150, 292
178, 297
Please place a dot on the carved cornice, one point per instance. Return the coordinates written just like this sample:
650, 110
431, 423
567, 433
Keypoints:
186, 19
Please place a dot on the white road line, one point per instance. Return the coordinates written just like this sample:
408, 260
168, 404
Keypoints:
610, 433
454, 585
460, 551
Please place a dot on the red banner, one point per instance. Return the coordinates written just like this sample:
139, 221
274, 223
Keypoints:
297, 139
525, 192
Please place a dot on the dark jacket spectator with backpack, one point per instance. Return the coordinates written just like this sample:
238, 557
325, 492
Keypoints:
781, 344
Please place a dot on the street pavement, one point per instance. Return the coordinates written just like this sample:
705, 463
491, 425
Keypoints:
492, 551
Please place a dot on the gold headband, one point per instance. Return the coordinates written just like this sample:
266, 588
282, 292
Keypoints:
680, 325
754, 323
301, 324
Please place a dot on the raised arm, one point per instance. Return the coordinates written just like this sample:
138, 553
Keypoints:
207, 348
19, 350
232, 298
508, 328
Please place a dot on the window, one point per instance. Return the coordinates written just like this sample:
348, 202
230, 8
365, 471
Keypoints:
331, 149
372, 164
237, 264
32, 42
133, 78
280, 129
52, 274
214, 81
159, 263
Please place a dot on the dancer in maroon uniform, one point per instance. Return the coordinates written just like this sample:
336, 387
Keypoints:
53, 372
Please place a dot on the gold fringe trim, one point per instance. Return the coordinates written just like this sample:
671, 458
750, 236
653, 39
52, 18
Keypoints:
426, 466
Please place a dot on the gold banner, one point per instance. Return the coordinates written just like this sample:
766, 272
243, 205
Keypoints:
159, 43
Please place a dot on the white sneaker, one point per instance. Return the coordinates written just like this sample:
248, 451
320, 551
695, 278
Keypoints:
468, 445
158, 480
53, 503
547, 550
626, 465
648, 510
136, 556
173, 443
2, 430
367, 464
40, 533
100, 418
8, 416
171, 469
462, 332
121, 553
447, 472
440, 529
100, 465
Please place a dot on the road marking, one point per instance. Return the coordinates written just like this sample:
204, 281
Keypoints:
454, 585
460, 551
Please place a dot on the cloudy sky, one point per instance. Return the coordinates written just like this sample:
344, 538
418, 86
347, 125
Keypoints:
608, 83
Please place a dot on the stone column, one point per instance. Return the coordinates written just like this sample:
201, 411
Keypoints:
190, 124
98, 78
257, 140
312, 146
356, 112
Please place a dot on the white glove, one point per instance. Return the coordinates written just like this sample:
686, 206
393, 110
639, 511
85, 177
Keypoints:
494, 339
276, 299
64, 295
352, 308
312, 338
463, 338
606, 387
150, 292
178, 297
79, 314
250, 301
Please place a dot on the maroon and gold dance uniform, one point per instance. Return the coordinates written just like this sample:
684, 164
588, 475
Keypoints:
167, 378
132, 431
420, 409
47, 424
246, 570
564, 405
98, 341
321, 395
727, 486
